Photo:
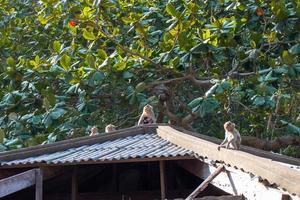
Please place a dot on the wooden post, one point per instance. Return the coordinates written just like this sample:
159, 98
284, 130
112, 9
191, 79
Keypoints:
162, 179
115, 184
74, 190
205, 183
39, 184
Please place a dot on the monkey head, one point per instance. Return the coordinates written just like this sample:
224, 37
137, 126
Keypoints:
229, 126
94, 130
110, 128
148, 109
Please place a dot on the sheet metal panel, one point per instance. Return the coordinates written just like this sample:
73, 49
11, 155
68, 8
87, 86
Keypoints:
138, 146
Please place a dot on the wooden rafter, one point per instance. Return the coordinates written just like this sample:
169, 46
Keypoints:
205, 183
21, 181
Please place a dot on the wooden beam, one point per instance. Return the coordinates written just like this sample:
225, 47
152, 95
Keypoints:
17, 182
274, 172
162, 179
258, 152
38, 184
205, 183
234, 182
74, 190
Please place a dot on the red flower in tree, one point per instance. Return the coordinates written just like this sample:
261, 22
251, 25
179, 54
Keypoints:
72, 23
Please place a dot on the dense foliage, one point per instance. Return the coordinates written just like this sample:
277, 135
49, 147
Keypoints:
68, 65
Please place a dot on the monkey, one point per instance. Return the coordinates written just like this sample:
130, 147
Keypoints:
232, 136
94, 131
110, 128
147, 117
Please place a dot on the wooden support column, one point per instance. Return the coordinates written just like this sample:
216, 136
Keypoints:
39, 184
115, 184
162, 179
205, 183
74, 190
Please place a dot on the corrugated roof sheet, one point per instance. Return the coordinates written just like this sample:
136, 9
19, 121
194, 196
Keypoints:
138, 146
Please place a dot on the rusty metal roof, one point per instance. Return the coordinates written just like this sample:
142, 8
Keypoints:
139, 146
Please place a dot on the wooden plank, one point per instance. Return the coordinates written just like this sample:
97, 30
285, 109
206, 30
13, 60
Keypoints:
71, 143
38, 184
283, 176
205, 183
234, 181
162, 179
74, 189
251, 150
17, 182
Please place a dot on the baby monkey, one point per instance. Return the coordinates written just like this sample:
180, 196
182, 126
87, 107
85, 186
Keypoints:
110, 128
147, 116
94, 131
232, 137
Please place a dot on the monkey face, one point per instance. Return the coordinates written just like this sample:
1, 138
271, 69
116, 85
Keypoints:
229, 126
94, 129
110, 128
148, 109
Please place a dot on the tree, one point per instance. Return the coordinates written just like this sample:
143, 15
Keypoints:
68, 65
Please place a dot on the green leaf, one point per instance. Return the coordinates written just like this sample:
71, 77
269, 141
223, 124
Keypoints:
140, 87
287, 58
196, 102
208, 106
120, 66
2, 135
57, 113
56, 46
96, 78
127, 75
172, 11
49, 97
90, 60
10, 61
65, 62
43, 20
225, 84
291, 127
259, 101
88, 35
102, 54
281, 70
269, 77
297, 67
295, 49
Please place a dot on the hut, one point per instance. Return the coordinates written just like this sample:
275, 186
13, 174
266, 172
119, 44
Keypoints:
146, 162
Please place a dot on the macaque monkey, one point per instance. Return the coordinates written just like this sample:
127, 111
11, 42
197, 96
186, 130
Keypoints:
232, 137
94, 131
147, 116
110, 128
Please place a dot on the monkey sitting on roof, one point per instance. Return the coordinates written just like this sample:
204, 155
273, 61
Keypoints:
232, 137
147, 116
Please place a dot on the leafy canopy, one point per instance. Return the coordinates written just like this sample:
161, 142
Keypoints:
68, 65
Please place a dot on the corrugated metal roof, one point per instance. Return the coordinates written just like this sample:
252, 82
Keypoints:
138, 146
